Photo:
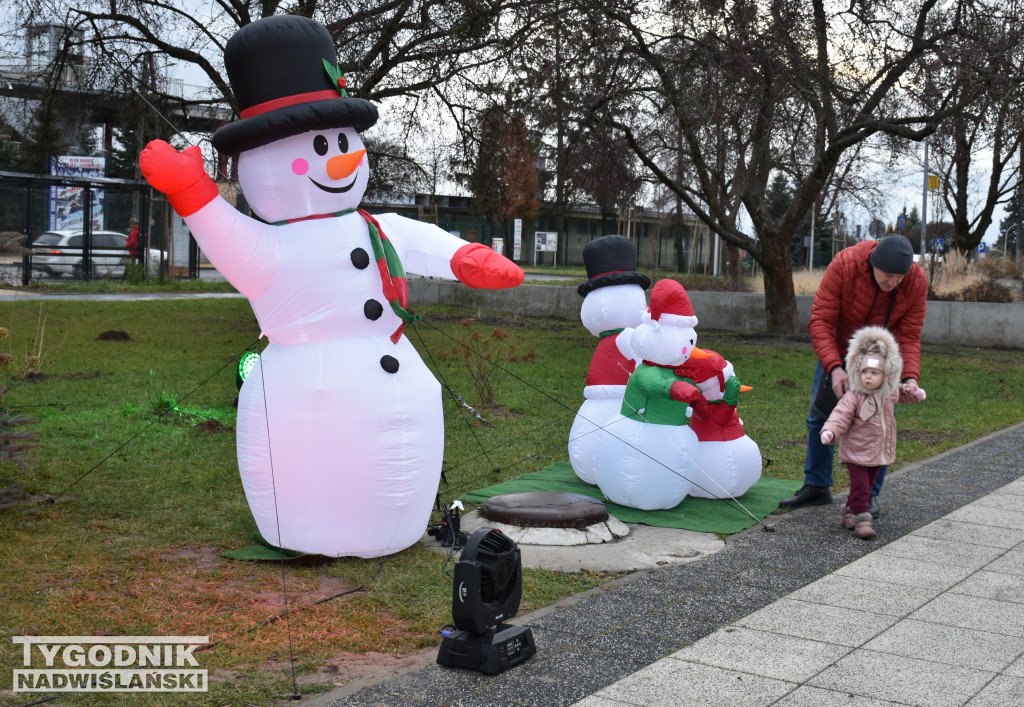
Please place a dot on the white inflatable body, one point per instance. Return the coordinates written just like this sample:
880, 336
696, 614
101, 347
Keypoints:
338, 456
725, 469
644, 465
604, 309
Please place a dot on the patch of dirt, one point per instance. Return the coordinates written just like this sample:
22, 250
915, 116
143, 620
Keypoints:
352, 671
114, 335
326, 587
905, 435
504, 322
213, 427
37, 377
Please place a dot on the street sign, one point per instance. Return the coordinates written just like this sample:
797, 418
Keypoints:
933, 181
981, 248
938, 245
901, 222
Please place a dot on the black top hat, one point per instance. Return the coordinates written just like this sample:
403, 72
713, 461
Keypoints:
610, 260
278, 69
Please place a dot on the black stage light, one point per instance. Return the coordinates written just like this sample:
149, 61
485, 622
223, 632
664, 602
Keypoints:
486, 590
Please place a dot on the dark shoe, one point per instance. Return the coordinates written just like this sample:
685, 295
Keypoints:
808, 495
873, 508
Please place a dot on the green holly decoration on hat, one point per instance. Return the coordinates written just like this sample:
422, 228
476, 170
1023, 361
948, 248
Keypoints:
337, 78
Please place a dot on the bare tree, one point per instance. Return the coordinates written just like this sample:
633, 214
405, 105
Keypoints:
391, 51
795, 86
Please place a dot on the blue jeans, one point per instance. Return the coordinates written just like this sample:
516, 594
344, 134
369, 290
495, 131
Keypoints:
818, 466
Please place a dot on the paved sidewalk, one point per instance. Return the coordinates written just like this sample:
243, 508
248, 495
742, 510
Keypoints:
931, 612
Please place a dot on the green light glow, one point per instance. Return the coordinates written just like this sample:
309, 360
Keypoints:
245, 364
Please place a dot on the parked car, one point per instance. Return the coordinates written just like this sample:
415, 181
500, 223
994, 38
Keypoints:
60, 253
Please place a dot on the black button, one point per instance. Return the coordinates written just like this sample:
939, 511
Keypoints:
360, 258
373, 309
389, 364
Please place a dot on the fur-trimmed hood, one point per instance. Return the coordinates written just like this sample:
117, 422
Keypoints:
874, 342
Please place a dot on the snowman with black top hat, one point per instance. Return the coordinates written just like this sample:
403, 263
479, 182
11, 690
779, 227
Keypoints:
614, 303
340, 430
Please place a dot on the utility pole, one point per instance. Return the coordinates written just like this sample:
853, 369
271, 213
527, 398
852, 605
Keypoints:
924, 204
1020, 204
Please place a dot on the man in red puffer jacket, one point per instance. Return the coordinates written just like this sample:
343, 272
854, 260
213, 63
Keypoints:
872, 283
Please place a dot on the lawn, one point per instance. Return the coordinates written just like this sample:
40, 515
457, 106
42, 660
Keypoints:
134, 403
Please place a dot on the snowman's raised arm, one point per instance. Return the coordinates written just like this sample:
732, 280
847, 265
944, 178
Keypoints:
428, 250
179, 175
243, 249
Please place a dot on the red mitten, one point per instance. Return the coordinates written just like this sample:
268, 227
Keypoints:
683, 392
478, 266
179, 175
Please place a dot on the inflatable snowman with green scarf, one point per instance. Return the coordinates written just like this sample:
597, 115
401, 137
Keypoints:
340, 430
644, 457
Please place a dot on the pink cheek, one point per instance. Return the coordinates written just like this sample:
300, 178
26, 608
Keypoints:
300, 166
685, 350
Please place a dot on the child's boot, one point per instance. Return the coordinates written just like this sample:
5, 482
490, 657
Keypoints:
862, 526
847, 518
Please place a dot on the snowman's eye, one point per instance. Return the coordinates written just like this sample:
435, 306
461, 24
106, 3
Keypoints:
343, 143
320, 145
691, 342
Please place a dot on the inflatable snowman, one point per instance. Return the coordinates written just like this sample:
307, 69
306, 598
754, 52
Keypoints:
613, 304
644, 455
340, 430
728, 462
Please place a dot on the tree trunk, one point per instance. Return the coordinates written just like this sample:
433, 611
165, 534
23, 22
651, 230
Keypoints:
779, 295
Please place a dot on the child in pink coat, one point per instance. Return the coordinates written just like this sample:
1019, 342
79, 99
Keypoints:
865, 420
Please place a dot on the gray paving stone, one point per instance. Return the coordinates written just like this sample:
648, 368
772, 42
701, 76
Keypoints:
979, 613
1003, 501
906, 681
864, 594
905, 571
944, 552
806, 696
997, 517
1016, 668
769, 655
671, 683
952, 645
1011, 562
971, 533
1001, 692
992, 585
846, 627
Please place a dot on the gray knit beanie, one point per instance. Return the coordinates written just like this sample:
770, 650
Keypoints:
893, 255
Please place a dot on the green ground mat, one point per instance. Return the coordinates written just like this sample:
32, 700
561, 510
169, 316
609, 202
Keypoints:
701, 514
262, 551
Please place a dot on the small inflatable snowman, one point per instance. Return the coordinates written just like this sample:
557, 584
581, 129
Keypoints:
644, 455
613, 304
340, 431
728, 462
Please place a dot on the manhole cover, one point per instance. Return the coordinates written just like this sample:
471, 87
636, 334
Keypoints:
544, 509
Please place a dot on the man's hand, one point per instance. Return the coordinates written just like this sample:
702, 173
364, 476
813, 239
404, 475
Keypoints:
840, 381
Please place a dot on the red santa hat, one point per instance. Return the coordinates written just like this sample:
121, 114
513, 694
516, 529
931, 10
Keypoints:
670, 305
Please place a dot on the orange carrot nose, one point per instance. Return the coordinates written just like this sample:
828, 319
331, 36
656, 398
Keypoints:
745, 388
700, 353
343, 165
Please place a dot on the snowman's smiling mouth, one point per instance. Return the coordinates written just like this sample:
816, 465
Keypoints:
332, 190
